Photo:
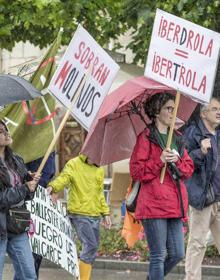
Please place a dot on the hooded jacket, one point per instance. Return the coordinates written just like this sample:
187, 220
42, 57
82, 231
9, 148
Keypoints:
85, 187
156, 200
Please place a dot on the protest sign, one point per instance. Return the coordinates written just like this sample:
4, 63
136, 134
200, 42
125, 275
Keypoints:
82, 55
183, 55
53, 237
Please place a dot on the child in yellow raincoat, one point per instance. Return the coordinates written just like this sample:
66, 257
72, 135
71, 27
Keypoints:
86, 205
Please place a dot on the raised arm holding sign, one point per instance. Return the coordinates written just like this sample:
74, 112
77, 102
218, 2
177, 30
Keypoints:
183, 56
170, 135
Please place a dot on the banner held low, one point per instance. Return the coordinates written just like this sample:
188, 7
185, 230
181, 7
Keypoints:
170, 135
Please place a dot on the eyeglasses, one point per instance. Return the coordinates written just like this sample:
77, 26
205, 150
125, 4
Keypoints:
170, 109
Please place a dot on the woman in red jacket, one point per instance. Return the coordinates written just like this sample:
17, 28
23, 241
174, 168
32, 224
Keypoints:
161, 207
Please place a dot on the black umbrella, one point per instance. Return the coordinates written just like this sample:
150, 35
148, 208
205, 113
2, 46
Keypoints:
14, 89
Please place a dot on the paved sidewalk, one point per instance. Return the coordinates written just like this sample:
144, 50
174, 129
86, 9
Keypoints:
111, 270
98, 274
143, 266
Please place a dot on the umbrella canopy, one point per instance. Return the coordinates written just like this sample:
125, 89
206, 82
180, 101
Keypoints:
14, 89
121, 118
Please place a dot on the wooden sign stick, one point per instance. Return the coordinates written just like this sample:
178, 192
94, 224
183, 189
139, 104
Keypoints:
57, 134
170, 135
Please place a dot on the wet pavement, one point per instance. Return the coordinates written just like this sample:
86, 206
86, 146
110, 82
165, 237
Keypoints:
98, 274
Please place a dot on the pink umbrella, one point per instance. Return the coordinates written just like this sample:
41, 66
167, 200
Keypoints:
121, 118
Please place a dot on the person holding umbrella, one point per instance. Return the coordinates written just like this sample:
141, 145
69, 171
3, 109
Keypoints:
16, 186
161, 207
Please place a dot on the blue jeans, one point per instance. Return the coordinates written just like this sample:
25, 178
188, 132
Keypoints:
166, 244
19, 250
87, 230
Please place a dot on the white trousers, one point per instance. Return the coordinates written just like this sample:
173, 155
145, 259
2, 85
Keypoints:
200, 222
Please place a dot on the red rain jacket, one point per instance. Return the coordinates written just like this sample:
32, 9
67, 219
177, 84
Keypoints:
156, 200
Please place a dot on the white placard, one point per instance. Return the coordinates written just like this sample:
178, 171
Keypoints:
83, 54
183, 55
53, 237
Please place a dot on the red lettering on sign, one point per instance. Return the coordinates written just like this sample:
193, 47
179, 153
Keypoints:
99, 71
178, 73
96, 61
104, 76
170, 28
160, 26
189, 42
209, 48
81, 47
176, 34
193, 82
162, 66
85, 55
63, 73
196, 42
181, 78
188, 77
90, 58
203, 85
187, 38
163, 29
169, 67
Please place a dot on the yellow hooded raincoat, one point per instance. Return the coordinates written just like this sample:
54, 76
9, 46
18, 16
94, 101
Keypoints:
85, 187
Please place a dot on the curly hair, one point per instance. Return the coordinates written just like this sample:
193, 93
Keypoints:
154, 104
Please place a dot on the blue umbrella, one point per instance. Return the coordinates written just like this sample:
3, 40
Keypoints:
14, 89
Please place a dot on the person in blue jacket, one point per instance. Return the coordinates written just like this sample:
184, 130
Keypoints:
203, 143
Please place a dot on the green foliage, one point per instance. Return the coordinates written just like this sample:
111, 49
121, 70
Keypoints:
113, 245
39, 20
211, 251
111, 241
139, 16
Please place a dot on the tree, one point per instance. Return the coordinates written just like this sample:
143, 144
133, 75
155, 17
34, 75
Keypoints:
139, 16
39, 20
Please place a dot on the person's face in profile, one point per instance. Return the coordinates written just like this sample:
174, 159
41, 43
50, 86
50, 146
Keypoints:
5, 138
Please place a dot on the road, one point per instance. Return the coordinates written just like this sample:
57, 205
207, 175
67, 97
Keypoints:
98, 274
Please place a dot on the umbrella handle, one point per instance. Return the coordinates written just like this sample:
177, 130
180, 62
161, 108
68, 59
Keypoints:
170, 135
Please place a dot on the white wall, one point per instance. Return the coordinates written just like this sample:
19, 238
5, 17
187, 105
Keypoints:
22, 52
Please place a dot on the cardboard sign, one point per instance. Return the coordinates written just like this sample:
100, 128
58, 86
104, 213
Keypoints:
183, 55
53, 237
83, 55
